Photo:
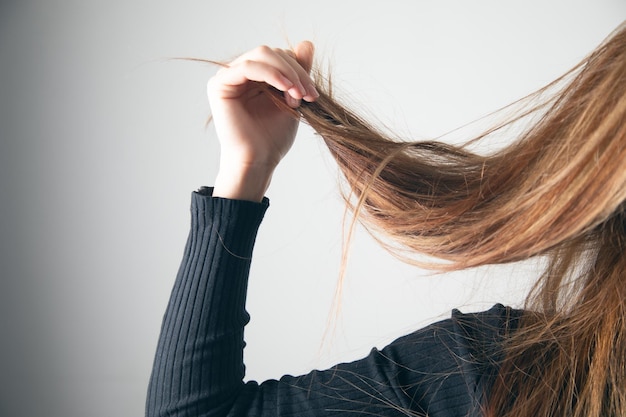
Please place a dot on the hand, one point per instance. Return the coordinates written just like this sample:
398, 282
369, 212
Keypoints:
254, 133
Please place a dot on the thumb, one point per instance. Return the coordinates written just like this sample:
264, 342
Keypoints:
304, 54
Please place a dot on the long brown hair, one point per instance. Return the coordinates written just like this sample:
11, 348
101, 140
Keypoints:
557, 191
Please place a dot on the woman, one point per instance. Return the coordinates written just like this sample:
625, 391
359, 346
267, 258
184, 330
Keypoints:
559, 191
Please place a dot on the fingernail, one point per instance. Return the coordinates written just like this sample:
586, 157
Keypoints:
313, 91
302, 89
292, 102
295, 92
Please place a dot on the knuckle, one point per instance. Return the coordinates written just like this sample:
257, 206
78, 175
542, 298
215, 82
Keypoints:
263, 50
214, 82
247, 64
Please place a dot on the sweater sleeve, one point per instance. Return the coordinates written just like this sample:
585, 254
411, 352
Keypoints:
198, 367
444, 369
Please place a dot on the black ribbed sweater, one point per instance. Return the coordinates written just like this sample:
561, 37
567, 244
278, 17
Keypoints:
445, 369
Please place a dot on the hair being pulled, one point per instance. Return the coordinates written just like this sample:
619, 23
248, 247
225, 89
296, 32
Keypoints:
559, 180
558, 190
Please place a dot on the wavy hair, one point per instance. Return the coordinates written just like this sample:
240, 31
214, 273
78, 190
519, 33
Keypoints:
558, 191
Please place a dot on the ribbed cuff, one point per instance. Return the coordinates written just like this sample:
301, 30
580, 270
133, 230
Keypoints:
236, 221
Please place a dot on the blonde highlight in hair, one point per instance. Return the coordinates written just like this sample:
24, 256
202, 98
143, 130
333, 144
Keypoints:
557, 191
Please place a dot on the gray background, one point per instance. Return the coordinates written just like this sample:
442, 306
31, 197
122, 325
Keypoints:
103, 140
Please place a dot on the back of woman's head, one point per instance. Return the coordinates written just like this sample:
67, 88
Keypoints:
559, 190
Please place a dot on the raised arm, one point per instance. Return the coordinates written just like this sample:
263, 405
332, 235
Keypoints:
198, 368
198, 365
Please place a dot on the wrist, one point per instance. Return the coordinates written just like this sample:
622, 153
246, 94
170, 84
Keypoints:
243, 182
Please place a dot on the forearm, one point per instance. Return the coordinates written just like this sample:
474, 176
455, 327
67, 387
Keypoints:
199, 359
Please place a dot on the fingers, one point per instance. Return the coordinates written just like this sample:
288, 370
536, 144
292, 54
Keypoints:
304, 54
284, 70
303, 79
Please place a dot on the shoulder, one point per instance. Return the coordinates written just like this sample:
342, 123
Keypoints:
487, 326
475, 331
452, 363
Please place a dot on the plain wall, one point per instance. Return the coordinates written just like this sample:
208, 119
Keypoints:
103, 141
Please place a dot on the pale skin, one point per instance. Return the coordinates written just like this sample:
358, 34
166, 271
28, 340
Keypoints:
254, 134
